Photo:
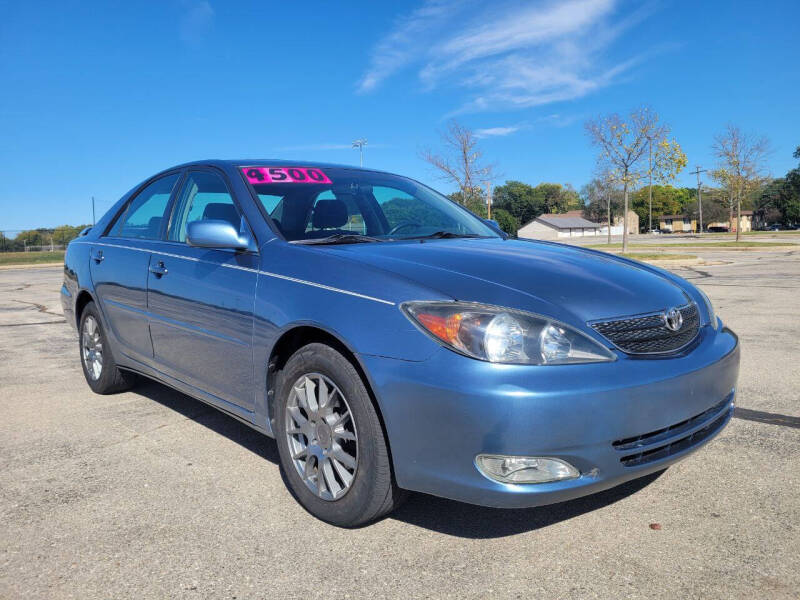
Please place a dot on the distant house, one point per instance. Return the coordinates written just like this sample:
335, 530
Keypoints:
747, 221
677, 223
552, 226
617, 224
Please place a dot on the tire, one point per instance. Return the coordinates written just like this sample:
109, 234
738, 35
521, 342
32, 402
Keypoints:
329, 437
93, 344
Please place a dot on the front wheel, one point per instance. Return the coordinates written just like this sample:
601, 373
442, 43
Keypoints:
330, 440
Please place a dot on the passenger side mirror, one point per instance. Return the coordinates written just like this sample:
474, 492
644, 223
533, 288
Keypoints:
217, 234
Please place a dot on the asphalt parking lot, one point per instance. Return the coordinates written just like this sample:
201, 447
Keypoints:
150, 494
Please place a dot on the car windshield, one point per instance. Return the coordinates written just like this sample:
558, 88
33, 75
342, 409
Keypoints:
337, 205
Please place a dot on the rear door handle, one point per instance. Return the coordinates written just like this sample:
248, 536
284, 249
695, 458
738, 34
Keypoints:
98, 256
158, 269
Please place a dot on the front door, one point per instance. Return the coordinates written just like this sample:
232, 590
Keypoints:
119, 262
201, 300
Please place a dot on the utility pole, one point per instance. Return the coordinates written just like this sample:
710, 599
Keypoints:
488, 199
697, 172
93, 220
360, 143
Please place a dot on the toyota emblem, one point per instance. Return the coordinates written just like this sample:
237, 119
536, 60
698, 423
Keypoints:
673, 319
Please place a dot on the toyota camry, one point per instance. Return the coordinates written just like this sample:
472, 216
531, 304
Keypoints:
390, 340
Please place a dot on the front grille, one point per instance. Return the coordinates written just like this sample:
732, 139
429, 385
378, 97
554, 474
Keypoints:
649, 334
714, 419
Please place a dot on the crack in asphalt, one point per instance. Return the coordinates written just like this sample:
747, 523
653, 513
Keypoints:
34, 323
40, 307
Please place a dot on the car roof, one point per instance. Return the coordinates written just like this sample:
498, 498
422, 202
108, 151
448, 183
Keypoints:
270, 162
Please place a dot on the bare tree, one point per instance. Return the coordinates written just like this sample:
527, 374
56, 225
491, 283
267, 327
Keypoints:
601, 195
741, 164
461, 162
622, 145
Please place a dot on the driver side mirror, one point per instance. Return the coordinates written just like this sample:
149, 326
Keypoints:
217, 234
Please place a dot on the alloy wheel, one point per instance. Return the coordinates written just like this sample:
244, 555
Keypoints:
321, 435
92, 348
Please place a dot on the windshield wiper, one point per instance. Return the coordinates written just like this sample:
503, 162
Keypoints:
443, 234
340, 238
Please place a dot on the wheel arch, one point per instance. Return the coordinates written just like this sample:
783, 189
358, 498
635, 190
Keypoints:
84, 297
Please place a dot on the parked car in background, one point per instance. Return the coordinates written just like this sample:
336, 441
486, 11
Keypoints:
390, 340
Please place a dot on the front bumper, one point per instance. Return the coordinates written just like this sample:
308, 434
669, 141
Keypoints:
441, 413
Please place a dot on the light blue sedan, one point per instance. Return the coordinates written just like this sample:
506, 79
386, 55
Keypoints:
390, 340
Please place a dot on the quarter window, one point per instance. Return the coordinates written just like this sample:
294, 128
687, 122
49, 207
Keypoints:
143, 216
204, 197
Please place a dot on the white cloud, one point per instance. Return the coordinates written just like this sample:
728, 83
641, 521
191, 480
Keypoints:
508, 54
402, 46
495, 131
196, 21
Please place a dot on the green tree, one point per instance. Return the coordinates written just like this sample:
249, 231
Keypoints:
519, 199
785, 194
474, 201
666, 200
555, 198
506, 221
64, 234
715, 205
32, 237
665, 160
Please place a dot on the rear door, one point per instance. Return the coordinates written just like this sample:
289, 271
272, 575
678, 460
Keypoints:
201, 300
119, 265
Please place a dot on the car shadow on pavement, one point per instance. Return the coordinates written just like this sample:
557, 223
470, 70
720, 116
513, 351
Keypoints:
479, 522
437, 514
210, 417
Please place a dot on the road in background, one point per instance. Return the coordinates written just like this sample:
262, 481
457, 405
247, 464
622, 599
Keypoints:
150, 494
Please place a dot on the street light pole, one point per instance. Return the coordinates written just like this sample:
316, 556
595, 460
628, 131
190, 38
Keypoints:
360, 143
93, 219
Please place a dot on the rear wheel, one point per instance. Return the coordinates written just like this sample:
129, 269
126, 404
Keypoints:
99, 367
330, 440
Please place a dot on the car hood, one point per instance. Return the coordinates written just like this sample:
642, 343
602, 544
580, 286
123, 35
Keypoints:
555, 279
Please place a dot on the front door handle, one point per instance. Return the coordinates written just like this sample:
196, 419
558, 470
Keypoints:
158, 269
98, 257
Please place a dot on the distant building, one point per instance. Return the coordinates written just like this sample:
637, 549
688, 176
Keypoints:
747, 220
677, 223
747, 223
553, 226
617, 224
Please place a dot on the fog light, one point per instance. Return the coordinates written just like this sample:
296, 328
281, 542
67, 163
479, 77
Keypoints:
524, 469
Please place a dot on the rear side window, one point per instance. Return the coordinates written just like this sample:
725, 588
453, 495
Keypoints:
143, 216
204, 197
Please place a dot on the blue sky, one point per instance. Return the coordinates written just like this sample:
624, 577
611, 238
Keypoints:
97, 96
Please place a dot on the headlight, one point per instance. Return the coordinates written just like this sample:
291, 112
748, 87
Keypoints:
712, 316
500, 335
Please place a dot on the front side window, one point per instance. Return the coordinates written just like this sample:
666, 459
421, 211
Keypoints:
143, 216
204, 197
311, 204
